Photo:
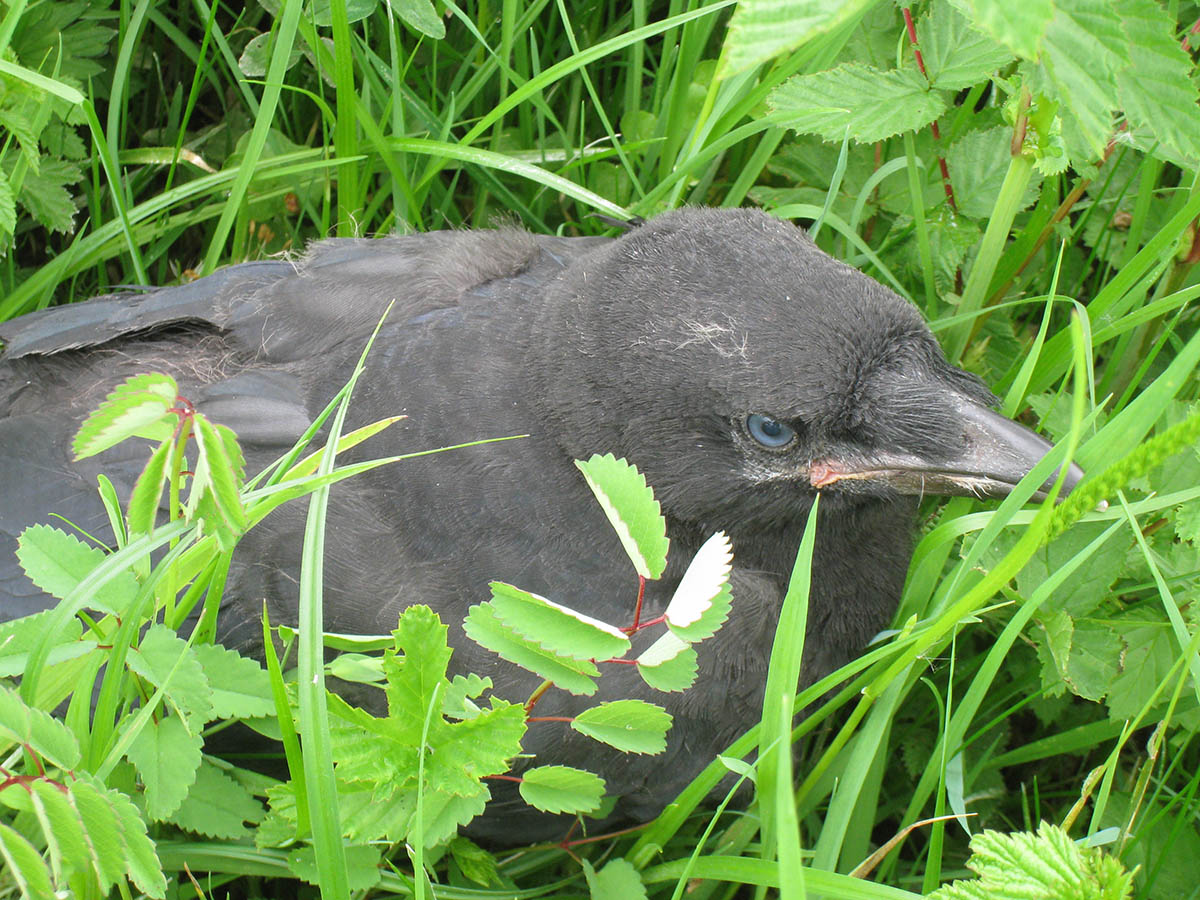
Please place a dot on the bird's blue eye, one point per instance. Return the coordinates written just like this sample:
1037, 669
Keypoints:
768, 431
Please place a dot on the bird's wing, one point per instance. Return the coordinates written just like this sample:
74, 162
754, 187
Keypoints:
260, 347
107, 318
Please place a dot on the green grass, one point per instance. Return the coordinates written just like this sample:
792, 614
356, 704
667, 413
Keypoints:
1044, 663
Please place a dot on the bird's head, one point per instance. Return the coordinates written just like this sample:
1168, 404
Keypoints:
743, 370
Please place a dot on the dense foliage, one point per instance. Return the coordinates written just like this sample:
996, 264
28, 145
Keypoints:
1026, 172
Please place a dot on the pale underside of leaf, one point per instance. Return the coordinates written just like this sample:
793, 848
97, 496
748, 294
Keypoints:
703, 580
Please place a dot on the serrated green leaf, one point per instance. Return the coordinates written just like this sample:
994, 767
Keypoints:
45, 196
865, 102
166, 756
460, 695
20, 636
133, 406
665, 649
1087, 588
978, 164
709, 622
1083, 50
631, 509
444, 814
217, 806
762, 29
1187, 522
1156, 89
1094, 659
216, 481
25, 866
556, 628
1150, 653
1048, 864
633, 726
956, 55
705, 578
561, 789
373, 814
1018, 26
102, 829
141, 860
241, 688
386, 753
162, 654
8, 206
362, 865
22, 129
618, 880
60, 825
46, 735
483, 626
147, 491
414, 676
668, 664
56, 562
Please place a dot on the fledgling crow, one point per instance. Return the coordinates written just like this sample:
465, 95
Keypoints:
738, 366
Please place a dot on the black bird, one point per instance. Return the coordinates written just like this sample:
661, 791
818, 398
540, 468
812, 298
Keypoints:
738, 366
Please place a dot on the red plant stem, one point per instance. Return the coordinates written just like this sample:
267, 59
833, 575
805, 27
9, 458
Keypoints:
566, 844
1185, 43
37, 760
637, 609
620, 662
504, 778
933, 126
536, 696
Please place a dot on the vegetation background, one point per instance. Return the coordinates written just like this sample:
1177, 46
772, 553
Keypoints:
1026, 173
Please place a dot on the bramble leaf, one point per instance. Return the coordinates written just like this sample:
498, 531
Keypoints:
1048, 864
867, 103
956, 55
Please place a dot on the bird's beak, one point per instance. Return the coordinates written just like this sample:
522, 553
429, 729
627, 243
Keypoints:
997, 454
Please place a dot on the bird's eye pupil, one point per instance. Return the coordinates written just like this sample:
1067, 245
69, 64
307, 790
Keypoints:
769, 432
